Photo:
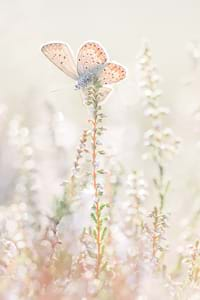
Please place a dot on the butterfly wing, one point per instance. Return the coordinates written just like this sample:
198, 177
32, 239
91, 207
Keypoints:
61, 56
91, 56
112, 73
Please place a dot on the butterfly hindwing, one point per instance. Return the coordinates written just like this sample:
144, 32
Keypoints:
112, 73
61, 56
90, 56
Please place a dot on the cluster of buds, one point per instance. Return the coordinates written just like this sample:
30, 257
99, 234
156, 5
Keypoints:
155, 233
82, 148
137, 192
192, 259
161, 141
64, 203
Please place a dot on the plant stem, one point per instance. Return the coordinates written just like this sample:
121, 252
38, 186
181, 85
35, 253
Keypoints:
161, 175
94, 166
98, 231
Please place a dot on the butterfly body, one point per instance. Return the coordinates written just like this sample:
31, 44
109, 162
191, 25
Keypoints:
84, 80
88, 77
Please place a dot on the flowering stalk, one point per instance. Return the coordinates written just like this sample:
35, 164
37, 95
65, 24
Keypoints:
98, 218
159, 225
82, 148
193, 262
155, 237
137, 192
160, 140
79, 154
70, 186
132, 219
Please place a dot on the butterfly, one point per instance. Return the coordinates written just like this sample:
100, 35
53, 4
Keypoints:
92, 63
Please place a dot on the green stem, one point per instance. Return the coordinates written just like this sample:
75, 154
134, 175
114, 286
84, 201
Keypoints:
161, 194
94, 176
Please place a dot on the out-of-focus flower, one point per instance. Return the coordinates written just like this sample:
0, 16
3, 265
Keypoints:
160, 141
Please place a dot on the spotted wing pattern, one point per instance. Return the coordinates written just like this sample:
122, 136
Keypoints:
112, 73
91, 56
61, 56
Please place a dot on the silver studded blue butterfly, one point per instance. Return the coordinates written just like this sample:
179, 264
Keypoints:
91, 63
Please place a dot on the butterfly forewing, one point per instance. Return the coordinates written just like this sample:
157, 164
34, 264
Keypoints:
112, 73
90, 57
61, 56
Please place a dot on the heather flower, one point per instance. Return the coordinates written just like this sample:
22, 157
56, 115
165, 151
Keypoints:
160, 141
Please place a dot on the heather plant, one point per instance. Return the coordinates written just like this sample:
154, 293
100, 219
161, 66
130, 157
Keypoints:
107, 233
160, 141
98, 230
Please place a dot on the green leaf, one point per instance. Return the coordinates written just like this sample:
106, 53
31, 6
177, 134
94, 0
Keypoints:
94, 217
101, 171
94, 232
102, 152
103, 233
103, 267
102, 206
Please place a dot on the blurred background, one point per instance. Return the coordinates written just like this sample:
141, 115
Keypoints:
35, 92
42, 117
